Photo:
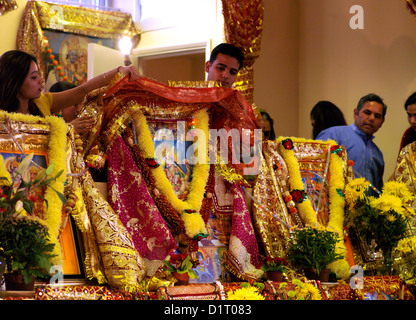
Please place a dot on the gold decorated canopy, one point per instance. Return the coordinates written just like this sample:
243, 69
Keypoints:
6, 6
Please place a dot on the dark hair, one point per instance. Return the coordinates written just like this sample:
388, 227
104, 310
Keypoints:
326, 115
229, 50
272, 135
372, 97
410, 100
14, 67
61, 86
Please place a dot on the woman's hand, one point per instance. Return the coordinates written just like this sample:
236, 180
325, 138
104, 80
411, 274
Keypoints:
83, 124
132, 70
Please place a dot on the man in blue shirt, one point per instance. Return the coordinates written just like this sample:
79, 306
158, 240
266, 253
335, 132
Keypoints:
358, 138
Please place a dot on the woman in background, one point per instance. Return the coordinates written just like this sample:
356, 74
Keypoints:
324, 115
409, 135
267, 126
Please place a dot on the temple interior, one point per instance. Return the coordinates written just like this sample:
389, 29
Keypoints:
165, 171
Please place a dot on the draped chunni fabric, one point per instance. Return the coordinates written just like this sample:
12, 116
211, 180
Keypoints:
151, 236
127, 188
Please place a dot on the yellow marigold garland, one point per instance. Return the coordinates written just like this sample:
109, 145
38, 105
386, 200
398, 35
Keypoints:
56, 155
337, 201
305, 208
188, 208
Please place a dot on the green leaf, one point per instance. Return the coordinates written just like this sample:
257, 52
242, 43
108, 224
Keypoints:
49, 170
28, 205
59, 174
192, 274
169, 266
60, 195
40, 176
24, 165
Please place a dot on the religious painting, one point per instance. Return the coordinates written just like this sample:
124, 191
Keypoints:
174, 154
211, 254
66, 56
12, 161
317, 190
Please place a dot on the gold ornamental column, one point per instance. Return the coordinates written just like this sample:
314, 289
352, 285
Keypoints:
243, 26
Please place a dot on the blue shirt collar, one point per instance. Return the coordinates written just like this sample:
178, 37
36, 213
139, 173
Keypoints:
361, 133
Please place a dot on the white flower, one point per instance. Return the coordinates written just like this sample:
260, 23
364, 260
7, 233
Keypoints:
19, 206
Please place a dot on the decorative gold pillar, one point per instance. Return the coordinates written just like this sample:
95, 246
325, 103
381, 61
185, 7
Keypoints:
411, 5
243, 26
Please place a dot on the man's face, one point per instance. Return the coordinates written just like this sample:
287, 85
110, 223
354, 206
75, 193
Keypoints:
411, 115
224, 69
370, 118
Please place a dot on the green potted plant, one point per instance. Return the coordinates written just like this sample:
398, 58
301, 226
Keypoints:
313, 249
181, 267
24, 238
379, 222
274, 268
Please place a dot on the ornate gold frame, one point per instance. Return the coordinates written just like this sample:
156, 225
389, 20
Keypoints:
40, 15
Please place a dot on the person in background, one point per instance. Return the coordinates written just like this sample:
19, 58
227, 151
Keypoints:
324, 115
409, 135
267, 126
21, 86
69, 114
357, 138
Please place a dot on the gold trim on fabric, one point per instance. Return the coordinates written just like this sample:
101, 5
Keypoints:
123, 266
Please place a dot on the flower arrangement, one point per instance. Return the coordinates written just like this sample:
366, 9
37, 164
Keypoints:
381, 221
274, 264
301, 291
246, 292
24, 238
314, 247
181, 263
